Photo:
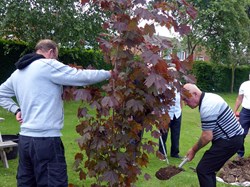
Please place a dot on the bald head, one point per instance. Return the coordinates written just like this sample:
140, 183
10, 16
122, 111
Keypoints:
192, 98
191, 88
46, 44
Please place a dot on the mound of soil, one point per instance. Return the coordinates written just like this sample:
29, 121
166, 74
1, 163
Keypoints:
167, 172
237, 170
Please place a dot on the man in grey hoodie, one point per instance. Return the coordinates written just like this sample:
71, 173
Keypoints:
37, 85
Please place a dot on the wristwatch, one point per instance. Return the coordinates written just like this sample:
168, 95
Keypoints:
18, 110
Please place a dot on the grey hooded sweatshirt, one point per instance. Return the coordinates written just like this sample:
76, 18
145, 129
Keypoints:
37, 85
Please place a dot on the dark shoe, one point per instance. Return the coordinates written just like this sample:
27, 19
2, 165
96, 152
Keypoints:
177, 156
240, 155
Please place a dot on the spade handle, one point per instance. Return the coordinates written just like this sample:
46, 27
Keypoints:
183, 162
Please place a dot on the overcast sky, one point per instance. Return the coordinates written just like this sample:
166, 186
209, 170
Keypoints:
163, 31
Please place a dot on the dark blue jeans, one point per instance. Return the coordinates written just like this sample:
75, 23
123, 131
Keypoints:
245, 123
41, 162
175, 129
214, 158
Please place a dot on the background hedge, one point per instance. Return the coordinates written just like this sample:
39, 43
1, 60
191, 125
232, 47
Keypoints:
10, 52
217, 77
210, 77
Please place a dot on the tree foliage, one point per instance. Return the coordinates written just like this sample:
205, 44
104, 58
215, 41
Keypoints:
133, 100
222, 27
65, 21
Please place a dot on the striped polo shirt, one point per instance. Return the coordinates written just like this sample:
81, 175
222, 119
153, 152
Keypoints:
218, 117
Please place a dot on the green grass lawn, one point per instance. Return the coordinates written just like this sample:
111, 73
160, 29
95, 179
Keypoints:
190, 133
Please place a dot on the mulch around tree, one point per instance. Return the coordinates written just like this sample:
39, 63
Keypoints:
234, 171
237, 170
167, 172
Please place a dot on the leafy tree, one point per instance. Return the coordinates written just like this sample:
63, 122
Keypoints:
222, 27
65, 21
133, 99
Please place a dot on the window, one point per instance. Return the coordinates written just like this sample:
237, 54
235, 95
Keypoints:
181, 55
200, 58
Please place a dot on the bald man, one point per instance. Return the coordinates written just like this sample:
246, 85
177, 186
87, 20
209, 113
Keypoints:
219, 126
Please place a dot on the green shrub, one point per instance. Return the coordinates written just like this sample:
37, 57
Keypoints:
10, 52
203, 72
221, 76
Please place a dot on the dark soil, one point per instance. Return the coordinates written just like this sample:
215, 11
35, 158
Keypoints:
237, 170
167, 172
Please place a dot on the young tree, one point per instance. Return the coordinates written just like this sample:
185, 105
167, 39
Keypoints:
133, 99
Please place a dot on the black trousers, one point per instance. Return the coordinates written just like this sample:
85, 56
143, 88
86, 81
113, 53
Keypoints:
175, 129
41, 162
214, 159
245, 123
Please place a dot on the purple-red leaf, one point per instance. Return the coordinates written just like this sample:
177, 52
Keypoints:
148, 148
80, 128
101, 165
82, 112
135, 105
190, 78
79, 156
104, 44
98, 143
82, 94
82, 175
151, 79
150, 57
109, 101
143, 13
143, 160
192, 11
85, 137
111, 177
123, 163
140, 2
96, 105
119, 26
132, 25
157, 80
156, 134
83, 2
183, 29
149, 29
187, 63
